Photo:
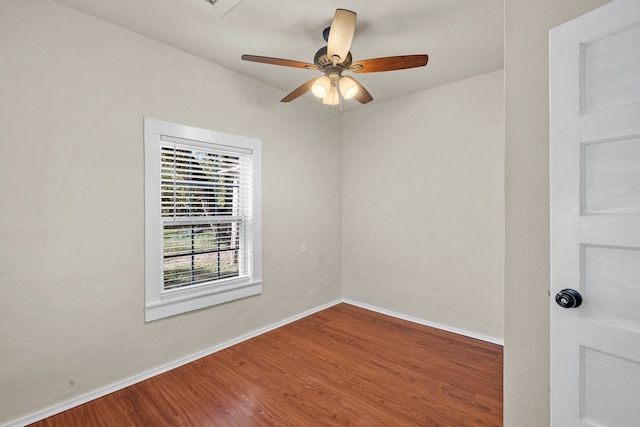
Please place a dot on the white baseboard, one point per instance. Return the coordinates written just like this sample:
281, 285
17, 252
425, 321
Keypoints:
40, 415
424, 322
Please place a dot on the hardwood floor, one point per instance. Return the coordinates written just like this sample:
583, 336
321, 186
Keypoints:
341, 366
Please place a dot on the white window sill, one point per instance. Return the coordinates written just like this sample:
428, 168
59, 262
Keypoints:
181, 304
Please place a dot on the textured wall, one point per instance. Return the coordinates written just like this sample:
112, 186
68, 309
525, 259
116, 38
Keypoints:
73, 92
527, 25
423, 205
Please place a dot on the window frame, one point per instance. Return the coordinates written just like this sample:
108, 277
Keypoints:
159, 303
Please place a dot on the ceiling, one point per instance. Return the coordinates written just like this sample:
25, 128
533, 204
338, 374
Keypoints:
463, 38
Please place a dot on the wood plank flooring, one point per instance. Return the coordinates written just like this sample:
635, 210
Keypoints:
344, 366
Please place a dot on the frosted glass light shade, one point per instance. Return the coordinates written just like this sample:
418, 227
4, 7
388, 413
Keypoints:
332, 98
321, 87
348, 87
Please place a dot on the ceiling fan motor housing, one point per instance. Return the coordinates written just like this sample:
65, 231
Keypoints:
322, 60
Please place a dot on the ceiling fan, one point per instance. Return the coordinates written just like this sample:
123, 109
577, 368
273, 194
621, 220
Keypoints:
334, 59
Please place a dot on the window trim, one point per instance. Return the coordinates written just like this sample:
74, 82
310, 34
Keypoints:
159, 304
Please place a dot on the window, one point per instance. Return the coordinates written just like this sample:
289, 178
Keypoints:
202, 218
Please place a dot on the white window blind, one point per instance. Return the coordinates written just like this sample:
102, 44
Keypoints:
203, 232
206, 213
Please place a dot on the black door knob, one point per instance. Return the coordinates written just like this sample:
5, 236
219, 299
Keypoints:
568, 298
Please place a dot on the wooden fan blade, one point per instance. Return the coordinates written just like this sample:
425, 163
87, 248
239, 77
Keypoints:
278, 61
362, 96
299, 91
341, 33
389, 63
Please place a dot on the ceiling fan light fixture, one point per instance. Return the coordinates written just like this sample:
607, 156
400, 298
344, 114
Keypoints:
321, 87
332, 98
348, 87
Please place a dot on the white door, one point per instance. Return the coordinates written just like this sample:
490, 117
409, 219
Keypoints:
595, 217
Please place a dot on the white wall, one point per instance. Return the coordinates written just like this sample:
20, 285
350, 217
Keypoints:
423, 205
526, 370
73, 92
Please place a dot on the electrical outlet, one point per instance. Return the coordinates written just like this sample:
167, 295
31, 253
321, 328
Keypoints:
303, 248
